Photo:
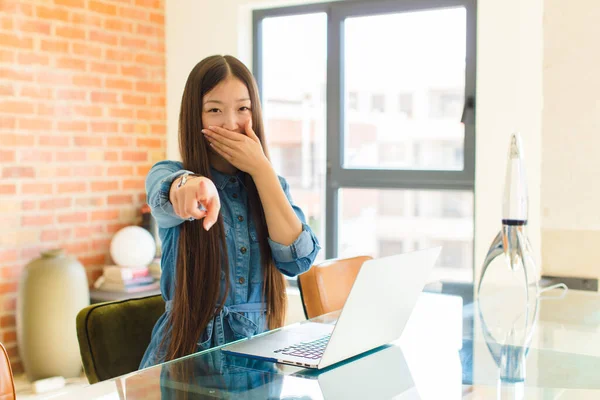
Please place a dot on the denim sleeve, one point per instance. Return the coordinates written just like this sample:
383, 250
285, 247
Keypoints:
158, 185
299, 256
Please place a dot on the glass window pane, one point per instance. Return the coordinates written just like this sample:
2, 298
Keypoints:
294, 72
382, 222
404, 90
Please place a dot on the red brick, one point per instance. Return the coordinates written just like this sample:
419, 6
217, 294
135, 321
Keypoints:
157, 18
104, 68
34, 27
72, 187
9, 306
120, 199
87, 231
7, 56
119, 141
54, 110
38, 220
71, 63
87, 141
61, 141
114, 228
158, 128
90, 202
92, 260
35, 124
72, 126
53, 77
150, 115
17, 107
103, 97
6, 24
121, 113
73, 218
36, 188
101, 244
135, 156
8, 123
151, 87
133, 13
8, 256
69, 94
70, 33
88, 111
89, 81
16, 8
125, 170
120, 84
88, 171
9, 336
152, 60
28, 205
134, 71
111, 156
7, 320
18, 172
118, 25
36, 156
134, 100
37, 92
156, 46
86, 19
133, 184
103, 37
7, 156
148, 3
102, 7
77, 248
9, 139
119, 55
149, 30
17, 41
70, 3
104, 186
142, 170
52, 13
55, 204
104, 127
7, 90
16, 74
151, 143
86, 49
72, 155
55, 46
107, 215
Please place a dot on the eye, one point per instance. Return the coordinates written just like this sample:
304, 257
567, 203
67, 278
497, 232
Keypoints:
213, 110
244, 108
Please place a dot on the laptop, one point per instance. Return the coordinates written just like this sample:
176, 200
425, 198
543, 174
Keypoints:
375, 313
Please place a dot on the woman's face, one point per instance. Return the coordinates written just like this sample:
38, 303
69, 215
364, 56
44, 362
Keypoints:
227, 105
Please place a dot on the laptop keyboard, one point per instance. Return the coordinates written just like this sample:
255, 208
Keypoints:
312, 350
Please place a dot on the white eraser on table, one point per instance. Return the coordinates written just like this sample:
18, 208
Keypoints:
48, 384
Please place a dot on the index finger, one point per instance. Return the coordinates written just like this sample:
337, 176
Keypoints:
227, 133
213, 206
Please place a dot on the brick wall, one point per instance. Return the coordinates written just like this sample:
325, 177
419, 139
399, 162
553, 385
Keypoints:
82, 114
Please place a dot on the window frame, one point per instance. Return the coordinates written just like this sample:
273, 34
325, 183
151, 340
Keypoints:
337, 176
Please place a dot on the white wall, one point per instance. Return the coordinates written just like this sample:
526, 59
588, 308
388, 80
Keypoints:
571, 121
509, 87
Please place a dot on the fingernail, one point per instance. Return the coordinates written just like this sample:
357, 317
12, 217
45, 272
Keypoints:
203, 130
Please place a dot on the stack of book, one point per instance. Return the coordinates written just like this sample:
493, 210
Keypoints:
126, 280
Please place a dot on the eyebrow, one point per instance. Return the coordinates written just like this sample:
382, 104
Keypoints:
220, 102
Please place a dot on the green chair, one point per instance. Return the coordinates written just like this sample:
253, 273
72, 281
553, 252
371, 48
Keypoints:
113, 336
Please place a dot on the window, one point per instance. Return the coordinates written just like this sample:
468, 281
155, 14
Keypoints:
379, 145
378, 103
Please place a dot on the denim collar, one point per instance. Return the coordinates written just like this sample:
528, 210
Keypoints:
220, 179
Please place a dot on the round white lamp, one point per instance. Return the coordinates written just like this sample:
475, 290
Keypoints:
132, 246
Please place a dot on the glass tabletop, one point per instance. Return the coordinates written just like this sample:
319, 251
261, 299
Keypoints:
451, 348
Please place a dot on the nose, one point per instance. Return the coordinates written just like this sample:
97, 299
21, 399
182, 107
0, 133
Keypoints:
230, 122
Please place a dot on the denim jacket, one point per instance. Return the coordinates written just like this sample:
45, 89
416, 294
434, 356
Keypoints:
244, 313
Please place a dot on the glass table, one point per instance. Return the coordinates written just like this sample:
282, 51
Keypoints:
450, 349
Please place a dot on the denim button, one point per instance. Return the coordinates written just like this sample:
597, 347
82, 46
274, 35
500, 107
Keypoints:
243, 250
235, 196
241, 281
232, 180
240, 218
